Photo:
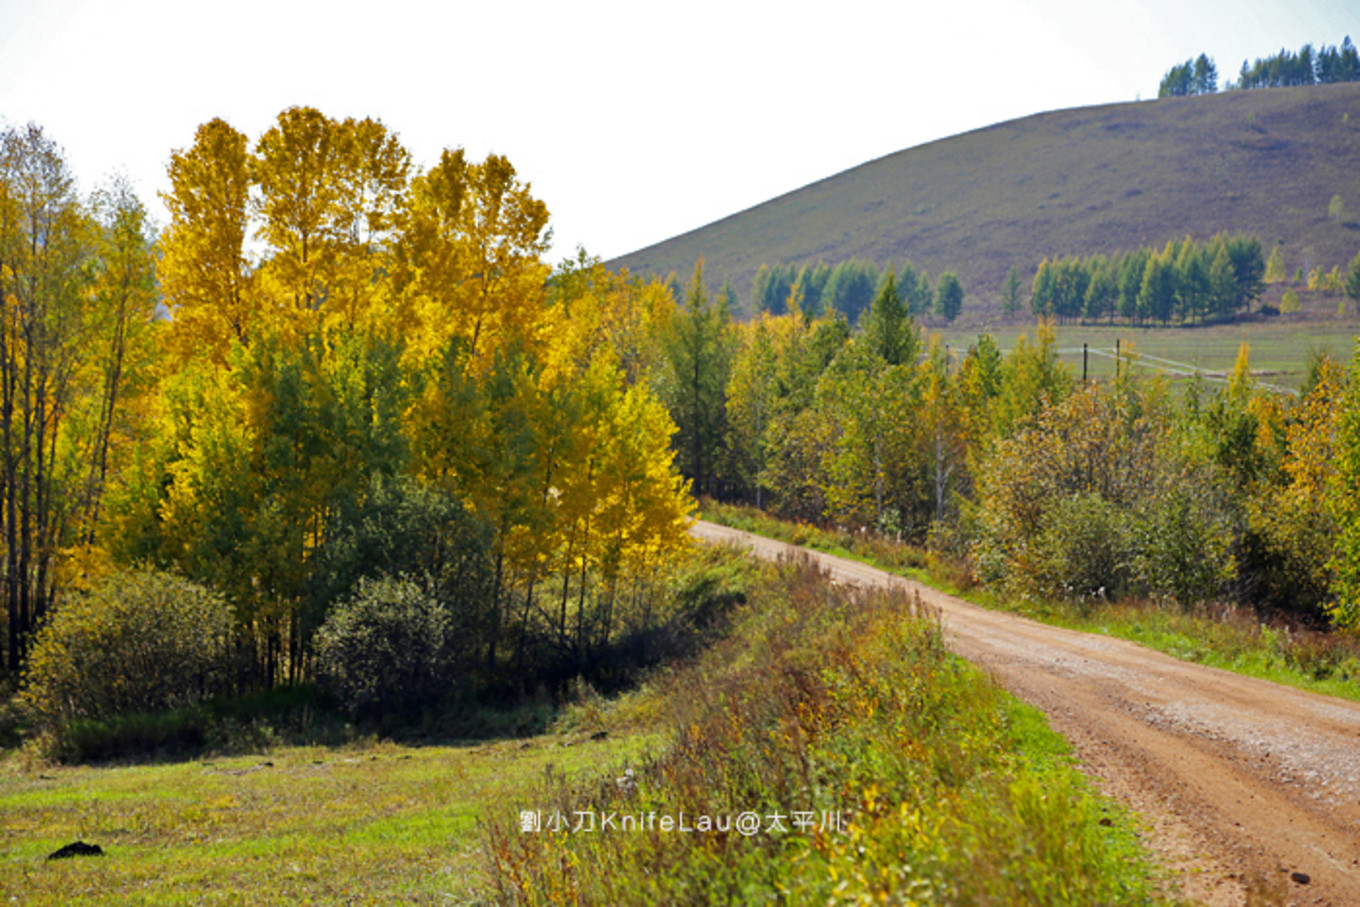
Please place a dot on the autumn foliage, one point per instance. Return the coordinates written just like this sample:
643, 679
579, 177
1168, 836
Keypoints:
351, 345
1042, 485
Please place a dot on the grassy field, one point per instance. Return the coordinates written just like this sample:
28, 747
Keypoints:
1095, 179
1279, 347
371, 822
942, 788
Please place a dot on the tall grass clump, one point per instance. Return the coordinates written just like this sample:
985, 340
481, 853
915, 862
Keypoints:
897, 773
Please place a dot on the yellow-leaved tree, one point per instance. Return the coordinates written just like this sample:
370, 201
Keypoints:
398, 362
205, 277
469, 258
329, 194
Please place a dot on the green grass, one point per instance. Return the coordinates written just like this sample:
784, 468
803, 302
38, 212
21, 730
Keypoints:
1095, 179
1279, 347
371, 822
1225, 637
826, 699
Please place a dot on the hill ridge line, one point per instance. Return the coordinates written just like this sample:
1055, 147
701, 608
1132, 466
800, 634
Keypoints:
1079, 180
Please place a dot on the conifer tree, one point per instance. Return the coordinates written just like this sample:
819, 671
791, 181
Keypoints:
948, 296
888, 330
699, 366
1010, 292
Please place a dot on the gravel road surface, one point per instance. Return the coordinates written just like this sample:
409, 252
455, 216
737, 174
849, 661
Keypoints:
1251, 789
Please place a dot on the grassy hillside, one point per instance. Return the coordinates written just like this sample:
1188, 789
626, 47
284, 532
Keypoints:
1094, 179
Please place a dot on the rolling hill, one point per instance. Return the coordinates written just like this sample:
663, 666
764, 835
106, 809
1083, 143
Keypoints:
1080, 181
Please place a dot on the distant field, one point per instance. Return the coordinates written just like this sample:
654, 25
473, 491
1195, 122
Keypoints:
1279, 347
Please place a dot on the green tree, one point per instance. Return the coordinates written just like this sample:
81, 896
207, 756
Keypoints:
1353, 278
1131, 270
1033, 377
851, 287
699, 365
1071, 277
400, 526
1205, 78
1193, 77
888, 331
980, 379
871, 472
948, 296
1192, 284
799, 435
943, 429
1177, 82
1102, 293
770, 291
249, 470
810, 286
1043, 293
914, 285
1222, 279
1338, 64
1249, 268
1010, 292
752, 393
1157, 295
1343, 497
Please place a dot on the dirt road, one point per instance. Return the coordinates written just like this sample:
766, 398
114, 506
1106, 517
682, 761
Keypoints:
1252, 789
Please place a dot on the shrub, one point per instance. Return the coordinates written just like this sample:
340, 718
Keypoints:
402, 527
1183, 546
393, 644
1084, 549
138, 641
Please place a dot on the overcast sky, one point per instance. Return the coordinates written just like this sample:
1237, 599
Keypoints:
633, 121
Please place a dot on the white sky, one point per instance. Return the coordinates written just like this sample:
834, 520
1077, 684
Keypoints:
633, 121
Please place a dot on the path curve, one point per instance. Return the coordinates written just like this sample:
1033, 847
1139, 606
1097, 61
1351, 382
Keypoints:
1249, 786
